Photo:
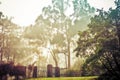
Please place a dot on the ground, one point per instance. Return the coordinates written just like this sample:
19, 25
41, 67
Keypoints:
66, 78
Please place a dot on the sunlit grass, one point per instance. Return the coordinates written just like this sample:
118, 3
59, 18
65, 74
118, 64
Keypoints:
67, 78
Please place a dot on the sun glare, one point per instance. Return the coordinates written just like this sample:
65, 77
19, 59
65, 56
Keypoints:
24, 12
45, 52
105, 4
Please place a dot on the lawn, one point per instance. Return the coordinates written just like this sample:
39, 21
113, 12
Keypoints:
66, 78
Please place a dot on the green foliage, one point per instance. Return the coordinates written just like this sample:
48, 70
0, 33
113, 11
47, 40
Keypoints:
82, 8
9, 38
104, 31
72, 73
82, 14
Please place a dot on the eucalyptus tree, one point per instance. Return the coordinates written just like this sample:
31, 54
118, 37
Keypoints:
61, 24
9, 37
82, 14
57, 25
34, 39
105, 38
55, 28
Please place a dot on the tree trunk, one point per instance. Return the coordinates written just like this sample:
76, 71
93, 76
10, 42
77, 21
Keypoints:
66, 60
54, 58
56, 63
69, 65
2, 46
118, 34
1, 56
14, 57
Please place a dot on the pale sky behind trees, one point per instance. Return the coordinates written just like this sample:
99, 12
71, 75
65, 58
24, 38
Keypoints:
24, 12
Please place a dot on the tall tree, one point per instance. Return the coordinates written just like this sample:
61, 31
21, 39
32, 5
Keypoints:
9, 37
58, 23
105, 40
115, 18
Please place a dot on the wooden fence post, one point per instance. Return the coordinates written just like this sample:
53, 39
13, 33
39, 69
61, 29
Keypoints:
57, 72
49, 70
35, 72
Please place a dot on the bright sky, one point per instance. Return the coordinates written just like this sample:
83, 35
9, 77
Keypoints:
26, 11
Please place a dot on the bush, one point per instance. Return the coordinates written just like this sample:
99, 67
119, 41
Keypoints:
72, 73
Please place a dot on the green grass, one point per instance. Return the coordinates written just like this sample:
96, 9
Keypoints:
66, 78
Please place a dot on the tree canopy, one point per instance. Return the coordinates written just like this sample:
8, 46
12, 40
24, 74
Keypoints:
102, 42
